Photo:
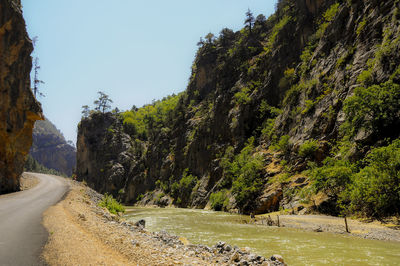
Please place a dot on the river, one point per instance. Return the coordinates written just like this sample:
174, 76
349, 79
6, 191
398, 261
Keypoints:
297, 247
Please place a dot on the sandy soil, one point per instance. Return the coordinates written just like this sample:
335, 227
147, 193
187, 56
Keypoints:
28, 181
322, 223
81, 233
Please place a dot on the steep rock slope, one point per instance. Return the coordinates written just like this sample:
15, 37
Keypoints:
271, 116
103, 154
18, 108
51, 149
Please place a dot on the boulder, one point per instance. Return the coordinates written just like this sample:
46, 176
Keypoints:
141, 223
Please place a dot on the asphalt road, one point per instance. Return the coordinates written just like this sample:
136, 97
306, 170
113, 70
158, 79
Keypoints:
22, 235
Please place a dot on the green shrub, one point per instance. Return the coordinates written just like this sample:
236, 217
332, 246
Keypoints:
365, 77
162, 185
333, 177
361, 26
242, 97
219, 200
140, 122
268, 132
308, 148
111, 204
292, 95
269, 114
175, 189
181, 190
246, 168
283, 144
243, 172
376, 188
139, 197
310, 104
308, 51
372, 190
188, 182
274, 33
374, 109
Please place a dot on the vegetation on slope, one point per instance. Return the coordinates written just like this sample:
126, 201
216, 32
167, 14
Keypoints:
111, 204
276, 114
31, 165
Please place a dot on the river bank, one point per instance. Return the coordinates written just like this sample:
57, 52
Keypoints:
322, 223
82, 233
297, 246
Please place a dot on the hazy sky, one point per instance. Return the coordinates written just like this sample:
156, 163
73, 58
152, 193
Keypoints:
135, 51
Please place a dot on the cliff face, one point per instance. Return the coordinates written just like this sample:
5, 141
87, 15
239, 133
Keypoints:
51, 149
18, 108
104, 153
263, 108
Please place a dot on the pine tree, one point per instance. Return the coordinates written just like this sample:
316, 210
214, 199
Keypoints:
36, 67
85, 111
249, 22
103, 103
209, 37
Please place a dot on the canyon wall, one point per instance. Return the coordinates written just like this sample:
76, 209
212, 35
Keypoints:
18, 108
264, 107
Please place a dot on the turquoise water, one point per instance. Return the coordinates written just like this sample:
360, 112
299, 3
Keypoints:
297, 247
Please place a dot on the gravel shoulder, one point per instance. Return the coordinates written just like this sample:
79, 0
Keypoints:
81, 233
322, 223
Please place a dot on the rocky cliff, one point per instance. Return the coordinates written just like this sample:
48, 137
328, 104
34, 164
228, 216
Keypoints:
103, 154
18, 108
51, 150
287, 113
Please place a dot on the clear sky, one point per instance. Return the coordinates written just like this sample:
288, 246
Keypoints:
135, 51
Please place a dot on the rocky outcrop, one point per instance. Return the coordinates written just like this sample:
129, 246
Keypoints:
282, 85
18, 108
51, 150
103, 158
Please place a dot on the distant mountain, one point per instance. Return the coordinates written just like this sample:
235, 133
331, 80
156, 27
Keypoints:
31, 165
50, 148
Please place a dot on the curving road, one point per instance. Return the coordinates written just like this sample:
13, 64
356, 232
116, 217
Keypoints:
22, 235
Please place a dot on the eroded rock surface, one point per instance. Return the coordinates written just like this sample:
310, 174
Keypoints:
18, 108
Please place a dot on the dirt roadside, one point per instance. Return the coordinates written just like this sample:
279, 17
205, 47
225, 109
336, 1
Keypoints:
81, 233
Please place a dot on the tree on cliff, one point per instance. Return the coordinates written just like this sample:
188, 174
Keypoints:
85, 111
201, 42
36, 67
36, 80
103, 103
249, 22
210, 38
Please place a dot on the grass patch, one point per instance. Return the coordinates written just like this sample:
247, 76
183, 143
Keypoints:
111, 204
